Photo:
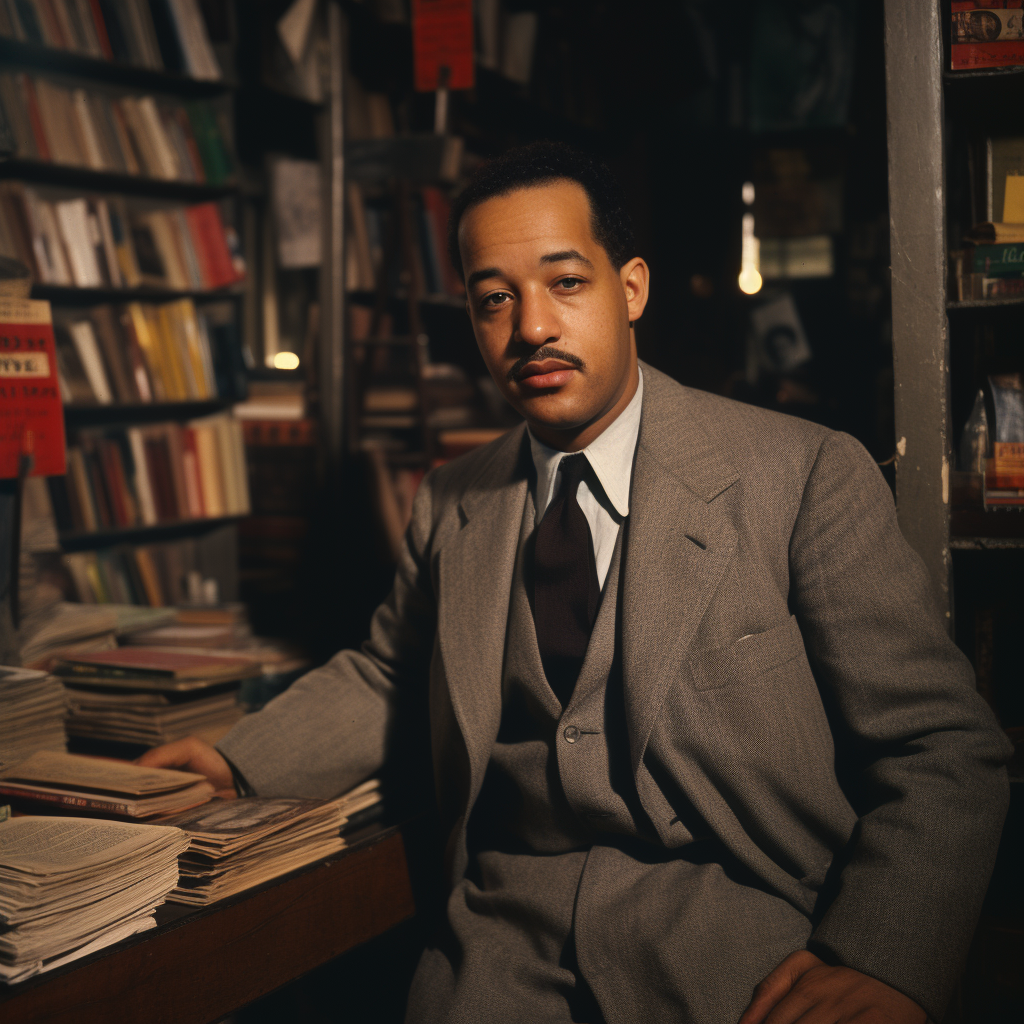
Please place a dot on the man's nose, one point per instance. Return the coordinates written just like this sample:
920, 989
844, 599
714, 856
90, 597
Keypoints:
537, 323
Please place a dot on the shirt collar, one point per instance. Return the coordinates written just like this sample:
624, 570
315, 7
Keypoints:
610, 455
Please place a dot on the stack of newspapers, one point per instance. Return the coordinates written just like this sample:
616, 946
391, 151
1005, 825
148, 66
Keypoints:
32, 709
237, 844
70, 886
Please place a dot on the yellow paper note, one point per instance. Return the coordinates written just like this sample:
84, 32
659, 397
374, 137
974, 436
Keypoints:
1013, 203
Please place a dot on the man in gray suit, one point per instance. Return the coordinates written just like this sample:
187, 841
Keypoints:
702, 750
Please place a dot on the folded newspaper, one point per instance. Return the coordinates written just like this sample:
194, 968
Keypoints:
70, 886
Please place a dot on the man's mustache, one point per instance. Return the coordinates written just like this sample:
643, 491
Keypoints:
540, 354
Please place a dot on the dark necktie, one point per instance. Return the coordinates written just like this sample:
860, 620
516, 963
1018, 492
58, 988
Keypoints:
566, 590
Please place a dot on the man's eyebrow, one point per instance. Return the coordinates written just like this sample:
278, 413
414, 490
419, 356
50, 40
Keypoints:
482, 275
566, 254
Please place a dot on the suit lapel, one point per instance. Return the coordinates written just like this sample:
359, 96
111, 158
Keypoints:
476, 569
678, 544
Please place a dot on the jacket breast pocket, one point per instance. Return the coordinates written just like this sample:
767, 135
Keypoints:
748, 659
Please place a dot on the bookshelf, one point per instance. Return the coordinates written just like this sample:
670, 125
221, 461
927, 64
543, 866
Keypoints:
144, 150
944, 349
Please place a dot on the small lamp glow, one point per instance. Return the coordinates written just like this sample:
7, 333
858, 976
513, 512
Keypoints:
286, 361
750, 281
750, 259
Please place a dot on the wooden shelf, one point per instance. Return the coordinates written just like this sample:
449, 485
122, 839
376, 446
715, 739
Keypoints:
1008, 300
47, 59
147, 412
67, 296
43, 172
954, 76
142, 534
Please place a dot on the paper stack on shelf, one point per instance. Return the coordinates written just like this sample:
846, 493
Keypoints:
148, 696
150, 719
71, 886
237, 844
32, 709
82, 627
100, 787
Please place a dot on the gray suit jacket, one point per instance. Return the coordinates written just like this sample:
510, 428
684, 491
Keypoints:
789, 686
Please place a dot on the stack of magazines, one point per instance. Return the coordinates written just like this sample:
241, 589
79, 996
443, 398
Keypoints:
70, 886
32, 708
71, 783
145, 696
237, 844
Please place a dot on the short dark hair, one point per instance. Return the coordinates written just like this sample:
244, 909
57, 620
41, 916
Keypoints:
541, 163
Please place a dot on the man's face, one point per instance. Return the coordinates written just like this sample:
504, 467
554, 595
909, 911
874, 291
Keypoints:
550, 312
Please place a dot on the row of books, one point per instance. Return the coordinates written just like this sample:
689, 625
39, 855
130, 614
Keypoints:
146, 475
134, 354
991, 264
115, 132
986, 34
156, 575
160, 35
370, 228
96, 242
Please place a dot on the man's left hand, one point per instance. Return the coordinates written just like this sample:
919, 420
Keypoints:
805, 988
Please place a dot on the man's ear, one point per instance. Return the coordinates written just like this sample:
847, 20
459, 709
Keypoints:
635, 276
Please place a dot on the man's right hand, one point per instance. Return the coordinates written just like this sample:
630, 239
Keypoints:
193, 755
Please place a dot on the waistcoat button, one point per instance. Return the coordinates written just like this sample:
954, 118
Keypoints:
571, 734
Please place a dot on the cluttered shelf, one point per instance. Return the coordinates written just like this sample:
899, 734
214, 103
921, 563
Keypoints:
272, 934
83, 540
108, 181
45, 58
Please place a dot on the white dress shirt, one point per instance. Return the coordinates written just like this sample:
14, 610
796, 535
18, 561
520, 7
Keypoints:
610, 455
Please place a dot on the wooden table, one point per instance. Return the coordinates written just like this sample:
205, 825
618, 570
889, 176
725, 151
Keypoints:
198, 966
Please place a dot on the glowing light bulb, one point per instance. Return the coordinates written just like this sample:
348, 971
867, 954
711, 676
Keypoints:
750, 258
286, 361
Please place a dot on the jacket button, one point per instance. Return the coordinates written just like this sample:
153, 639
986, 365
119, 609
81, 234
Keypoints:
571, 734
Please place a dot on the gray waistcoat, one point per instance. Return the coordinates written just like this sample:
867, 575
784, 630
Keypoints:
558, 778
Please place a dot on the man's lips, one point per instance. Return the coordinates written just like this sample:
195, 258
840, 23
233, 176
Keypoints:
545, 373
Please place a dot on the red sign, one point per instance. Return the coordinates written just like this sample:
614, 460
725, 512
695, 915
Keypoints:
442, 37
31, 414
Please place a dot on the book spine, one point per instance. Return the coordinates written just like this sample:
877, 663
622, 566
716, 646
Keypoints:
77, 802
101, 29
1004, 53
999, 260
27, 89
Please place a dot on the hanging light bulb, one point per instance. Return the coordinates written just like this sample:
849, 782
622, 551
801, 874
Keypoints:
286, 361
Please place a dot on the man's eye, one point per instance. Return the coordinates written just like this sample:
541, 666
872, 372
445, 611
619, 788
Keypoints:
571, 283
495, 299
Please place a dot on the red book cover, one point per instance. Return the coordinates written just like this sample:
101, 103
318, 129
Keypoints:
211, 246
442, 37
158, 462
34, 117
101, 29
190, 464
32, 418
1008, 53
118, 508
53, 29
